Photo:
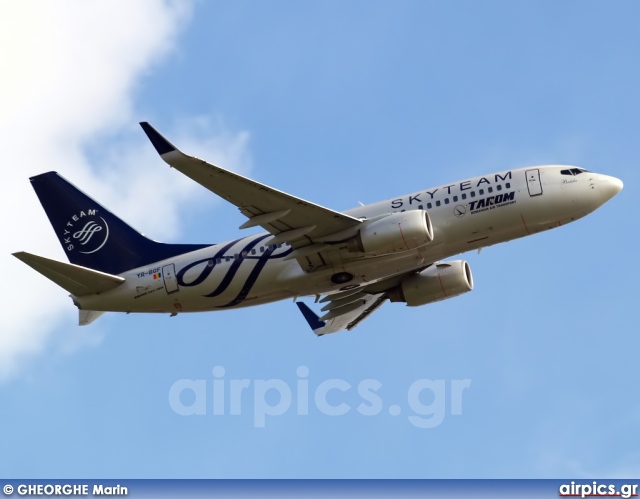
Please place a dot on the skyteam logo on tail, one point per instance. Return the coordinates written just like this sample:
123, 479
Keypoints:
85, 232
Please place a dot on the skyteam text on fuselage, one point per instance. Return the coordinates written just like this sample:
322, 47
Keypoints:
352, 262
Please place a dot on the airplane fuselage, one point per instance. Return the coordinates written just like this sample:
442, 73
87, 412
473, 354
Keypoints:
465, 215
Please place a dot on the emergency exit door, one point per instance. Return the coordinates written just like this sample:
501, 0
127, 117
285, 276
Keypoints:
533, 182
169, 276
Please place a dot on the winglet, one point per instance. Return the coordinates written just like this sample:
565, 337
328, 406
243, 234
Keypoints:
162, 145
311, 317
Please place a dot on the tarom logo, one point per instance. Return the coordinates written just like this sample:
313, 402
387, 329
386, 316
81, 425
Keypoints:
86, 232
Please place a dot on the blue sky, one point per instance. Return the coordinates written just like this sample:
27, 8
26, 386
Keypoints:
341, 102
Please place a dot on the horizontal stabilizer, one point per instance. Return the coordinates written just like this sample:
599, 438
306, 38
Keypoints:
86, 317
77, 280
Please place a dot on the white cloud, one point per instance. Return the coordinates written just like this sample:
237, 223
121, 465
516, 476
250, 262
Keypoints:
69, 71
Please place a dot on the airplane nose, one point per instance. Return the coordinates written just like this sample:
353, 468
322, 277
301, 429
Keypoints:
609, 187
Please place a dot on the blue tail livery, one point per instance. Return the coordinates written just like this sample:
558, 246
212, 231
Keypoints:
353, 262
91, 235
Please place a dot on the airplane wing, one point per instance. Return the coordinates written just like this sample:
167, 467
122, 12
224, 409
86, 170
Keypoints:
347, 309
289, 218
346, 316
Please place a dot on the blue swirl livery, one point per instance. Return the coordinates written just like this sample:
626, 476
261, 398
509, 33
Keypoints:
352, 262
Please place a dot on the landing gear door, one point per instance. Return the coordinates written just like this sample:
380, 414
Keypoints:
533, 182
169, 276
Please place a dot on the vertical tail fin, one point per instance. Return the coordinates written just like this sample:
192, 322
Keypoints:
91, 235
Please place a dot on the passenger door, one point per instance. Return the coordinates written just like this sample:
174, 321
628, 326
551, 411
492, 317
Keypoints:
533, 182
169, 276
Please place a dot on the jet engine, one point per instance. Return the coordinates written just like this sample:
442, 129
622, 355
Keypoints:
394, 233
440, 281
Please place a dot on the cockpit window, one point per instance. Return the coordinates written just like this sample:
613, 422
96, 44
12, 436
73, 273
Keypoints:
573, 171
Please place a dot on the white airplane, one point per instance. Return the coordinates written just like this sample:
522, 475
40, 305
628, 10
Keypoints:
352, 262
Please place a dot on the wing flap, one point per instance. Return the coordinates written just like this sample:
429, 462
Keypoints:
347, 309
352, 315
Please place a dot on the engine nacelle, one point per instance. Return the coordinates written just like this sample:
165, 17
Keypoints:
440, 281
402, 231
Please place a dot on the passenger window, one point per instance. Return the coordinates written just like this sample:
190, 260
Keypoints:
253, 251
218, 261
490, 189
481, 192
507, 185
499, 187
420, 207
261, 249
429, 206
464, 195
227, 258
446, 200
473, 194
455, 199
438, 202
